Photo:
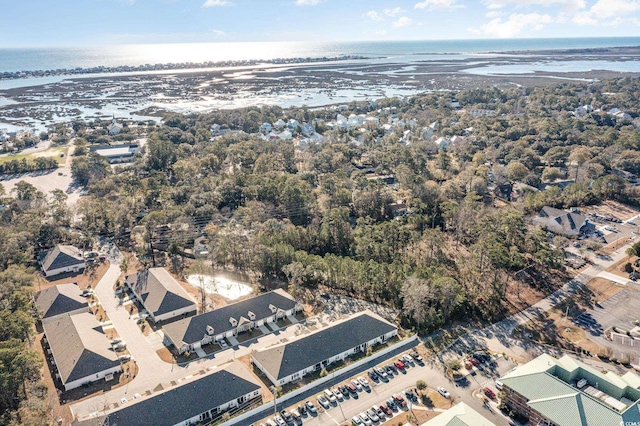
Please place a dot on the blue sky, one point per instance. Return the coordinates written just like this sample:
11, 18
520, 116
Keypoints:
96, 22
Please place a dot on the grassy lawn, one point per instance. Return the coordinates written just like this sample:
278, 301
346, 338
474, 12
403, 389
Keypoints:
50, 152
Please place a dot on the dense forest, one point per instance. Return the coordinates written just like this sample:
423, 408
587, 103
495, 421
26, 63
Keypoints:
387, 215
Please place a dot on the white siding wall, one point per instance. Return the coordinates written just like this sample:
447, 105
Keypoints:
175, 313
72, 268
92, 378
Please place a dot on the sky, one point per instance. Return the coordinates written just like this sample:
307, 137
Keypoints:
45, 23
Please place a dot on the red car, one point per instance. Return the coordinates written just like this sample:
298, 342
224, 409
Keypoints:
489, 393
474, 361
399, 364
386, 410
399, 400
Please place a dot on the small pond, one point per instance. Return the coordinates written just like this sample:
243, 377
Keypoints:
226, 285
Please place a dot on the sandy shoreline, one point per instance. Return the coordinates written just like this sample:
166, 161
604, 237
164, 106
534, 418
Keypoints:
305, 84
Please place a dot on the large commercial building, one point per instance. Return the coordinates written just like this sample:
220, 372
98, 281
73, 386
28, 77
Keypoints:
293, 360
193, 332
567, 392
194, 402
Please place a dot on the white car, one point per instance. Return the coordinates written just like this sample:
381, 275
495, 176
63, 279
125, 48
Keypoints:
365, 419
442, 391
355, 421
364, 382
123, 400
324, 402
373, 416
408, 359
330, 396
357, 384
280, 421
338, 394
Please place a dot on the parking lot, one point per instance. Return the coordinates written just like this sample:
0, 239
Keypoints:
471, 390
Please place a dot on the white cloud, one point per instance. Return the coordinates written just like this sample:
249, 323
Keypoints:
567, 5
513, 26
393, 12
403, 22
437, 5
374, 16
609, 13
307, 2
214, 3
218, 33
493, 14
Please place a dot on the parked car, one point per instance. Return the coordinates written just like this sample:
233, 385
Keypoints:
372, 415
337, 394
474, 361
302, 409
391, 403
329, 395
280, 421
365, 419
352, 388
408, 360
442, 391
391, 369
364, 382
357, 384
286, 416
312, 408
381, 373
415, 355
386, 410
499, 385
379, 412
399, 400
490, 393
324, 402
355, 421
296, 414
411, 396
373, 375
345, 390
399, 364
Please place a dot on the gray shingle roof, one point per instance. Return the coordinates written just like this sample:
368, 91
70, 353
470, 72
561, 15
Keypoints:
79, 346
193, 329
183, 402
60, 299
160, 293
563, 222
62, 256
288, 358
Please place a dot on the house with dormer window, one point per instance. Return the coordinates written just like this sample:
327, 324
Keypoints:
229, 321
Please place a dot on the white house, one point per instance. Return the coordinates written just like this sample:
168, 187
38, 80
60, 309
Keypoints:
279, 124
116, 154
342, 122
114, 128
194, 401
266, 127
213, 326
160, 294
293, 124
291, 361
62, 259
80, 349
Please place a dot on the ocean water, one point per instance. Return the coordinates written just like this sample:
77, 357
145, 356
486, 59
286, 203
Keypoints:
12, 60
